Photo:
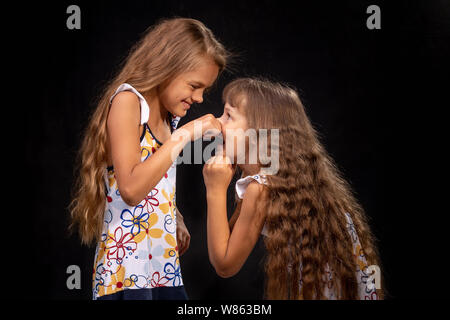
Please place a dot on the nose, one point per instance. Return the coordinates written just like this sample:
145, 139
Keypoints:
198, 98
221, 120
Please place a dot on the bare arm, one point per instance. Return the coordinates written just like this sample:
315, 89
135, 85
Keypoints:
235, 215
183, 235
135, 178
228, 250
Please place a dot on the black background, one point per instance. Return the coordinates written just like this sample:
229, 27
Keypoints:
375, 96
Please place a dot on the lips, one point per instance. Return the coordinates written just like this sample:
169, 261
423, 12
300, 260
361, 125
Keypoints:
186, 105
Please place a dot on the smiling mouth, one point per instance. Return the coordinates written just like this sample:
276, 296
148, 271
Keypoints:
186, 105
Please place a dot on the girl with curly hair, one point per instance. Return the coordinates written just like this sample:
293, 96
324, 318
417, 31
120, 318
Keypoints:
319, 244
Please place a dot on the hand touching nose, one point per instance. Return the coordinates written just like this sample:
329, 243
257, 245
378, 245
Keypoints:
214, 130
207, 125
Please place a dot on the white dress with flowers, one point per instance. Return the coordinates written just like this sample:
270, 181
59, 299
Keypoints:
138, 247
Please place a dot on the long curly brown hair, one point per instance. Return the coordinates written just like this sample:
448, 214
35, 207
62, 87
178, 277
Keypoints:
165, 50
304, 202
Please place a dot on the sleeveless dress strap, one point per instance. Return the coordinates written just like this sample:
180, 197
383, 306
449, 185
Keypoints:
242, 184
145, 109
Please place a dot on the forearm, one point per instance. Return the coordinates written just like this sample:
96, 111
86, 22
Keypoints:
180, 218
235, 216
218, 231
145, 175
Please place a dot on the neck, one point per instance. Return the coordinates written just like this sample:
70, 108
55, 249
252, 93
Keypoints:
249, 169
158, 114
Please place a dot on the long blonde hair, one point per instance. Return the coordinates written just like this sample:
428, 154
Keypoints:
305, 201
166, 49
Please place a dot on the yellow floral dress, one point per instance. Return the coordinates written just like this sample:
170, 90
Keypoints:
138, 247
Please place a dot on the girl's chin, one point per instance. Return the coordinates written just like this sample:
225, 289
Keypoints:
179, 112
232, 157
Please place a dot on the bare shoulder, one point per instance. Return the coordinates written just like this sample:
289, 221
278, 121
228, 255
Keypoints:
254, 190
125, 96
254, 196
125, 106
252, 213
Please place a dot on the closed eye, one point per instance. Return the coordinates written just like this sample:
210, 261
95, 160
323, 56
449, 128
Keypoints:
193, 86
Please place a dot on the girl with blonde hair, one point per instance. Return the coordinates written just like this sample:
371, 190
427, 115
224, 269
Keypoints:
125, 190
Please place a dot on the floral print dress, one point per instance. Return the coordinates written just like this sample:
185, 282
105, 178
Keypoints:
366, 291
138, 246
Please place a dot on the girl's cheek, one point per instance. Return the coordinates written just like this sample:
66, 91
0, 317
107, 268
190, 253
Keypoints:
228, 131
174, 95
167, 98
185, 95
